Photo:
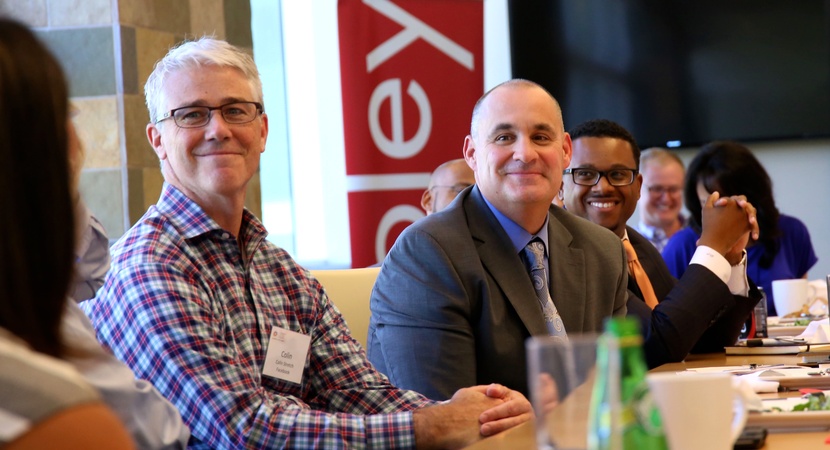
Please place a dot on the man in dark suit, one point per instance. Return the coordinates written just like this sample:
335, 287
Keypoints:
701, 312
454, 301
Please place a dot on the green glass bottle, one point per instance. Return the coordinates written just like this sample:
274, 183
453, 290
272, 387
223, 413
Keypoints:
622, 414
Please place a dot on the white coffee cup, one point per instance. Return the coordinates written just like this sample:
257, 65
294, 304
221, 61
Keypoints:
699, 411
790, 296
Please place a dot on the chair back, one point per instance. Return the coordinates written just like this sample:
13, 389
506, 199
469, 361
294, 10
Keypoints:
350, 290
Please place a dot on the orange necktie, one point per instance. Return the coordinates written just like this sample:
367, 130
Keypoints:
635, 269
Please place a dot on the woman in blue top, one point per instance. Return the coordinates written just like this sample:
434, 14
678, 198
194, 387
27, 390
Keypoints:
782, 251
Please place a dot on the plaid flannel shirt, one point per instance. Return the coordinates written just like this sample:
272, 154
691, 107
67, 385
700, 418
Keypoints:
184, 311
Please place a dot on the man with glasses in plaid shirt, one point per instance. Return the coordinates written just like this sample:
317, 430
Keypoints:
226, 325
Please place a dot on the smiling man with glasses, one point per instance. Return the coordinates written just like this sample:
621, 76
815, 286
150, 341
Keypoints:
594, 202
661, 197
706, 308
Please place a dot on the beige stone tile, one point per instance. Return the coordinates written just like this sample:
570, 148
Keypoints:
31, 12
139, 151
163, 15
173, 15
129, 70
101, 190
139, 13
207, 18
150, 46
98, 127
71, 13
238, 23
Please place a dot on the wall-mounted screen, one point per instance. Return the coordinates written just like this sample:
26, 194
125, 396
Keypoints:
681, 73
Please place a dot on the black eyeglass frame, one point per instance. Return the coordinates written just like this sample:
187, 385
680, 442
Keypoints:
600, 174
172, 114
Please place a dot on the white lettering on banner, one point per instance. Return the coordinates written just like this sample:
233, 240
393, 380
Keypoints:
397, 147
400, 213
413, 29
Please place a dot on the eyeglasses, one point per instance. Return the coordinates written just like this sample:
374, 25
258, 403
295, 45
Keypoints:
590, 177
658, 191
457, 188
199, 116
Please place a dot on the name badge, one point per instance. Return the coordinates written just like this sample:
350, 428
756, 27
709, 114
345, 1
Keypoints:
286, 355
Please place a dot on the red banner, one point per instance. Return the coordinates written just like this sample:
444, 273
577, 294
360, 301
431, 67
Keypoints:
411, 72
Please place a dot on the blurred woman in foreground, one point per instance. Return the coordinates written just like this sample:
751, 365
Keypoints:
44, 401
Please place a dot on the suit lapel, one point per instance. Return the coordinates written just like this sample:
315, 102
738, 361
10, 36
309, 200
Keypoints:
503, 263
568, 274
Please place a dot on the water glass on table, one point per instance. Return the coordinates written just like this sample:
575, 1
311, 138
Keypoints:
561, 377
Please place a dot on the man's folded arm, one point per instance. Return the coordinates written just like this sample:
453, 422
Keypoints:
174, 342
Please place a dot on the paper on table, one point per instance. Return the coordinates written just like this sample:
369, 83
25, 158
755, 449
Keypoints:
785, 331
768, 378
818, 331
755, 381
750, 393
767, 372
817, 334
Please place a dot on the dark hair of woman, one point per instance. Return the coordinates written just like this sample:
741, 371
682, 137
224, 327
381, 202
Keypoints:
731, 169
37, 229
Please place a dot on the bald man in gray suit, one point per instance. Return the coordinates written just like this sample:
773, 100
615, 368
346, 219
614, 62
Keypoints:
454, 302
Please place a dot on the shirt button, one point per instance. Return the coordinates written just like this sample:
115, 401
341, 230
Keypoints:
225, 235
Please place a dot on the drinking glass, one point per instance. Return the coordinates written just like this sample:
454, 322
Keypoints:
561, 378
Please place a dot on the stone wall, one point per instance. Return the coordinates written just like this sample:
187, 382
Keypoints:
108, 49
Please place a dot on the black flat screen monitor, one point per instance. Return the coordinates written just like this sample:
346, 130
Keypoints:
681, 73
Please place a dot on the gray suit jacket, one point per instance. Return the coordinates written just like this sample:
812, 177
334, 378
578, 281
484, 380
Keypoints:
454, 304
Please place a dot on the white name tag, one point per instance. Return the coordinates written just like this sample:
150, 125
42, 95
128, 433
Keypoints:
286, 355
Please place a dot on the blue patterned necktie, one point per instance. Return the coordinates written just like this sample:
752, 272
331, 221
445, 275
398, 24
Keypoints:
535, 254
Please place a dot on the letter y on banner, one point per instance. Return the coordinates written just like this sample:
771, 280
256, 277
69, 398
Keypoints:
411, 71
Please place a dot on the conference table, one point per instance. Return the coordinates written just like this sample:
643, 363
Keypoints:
522, 437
